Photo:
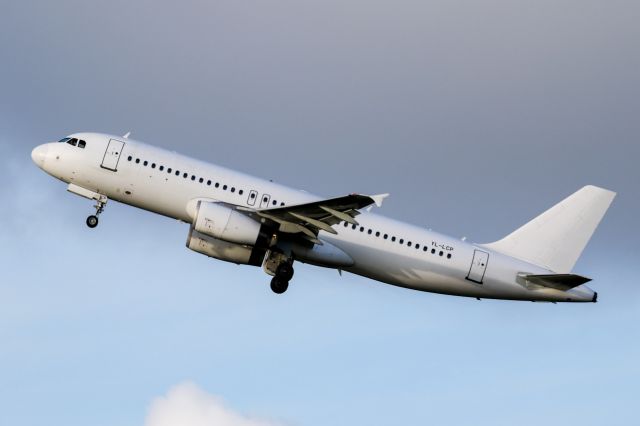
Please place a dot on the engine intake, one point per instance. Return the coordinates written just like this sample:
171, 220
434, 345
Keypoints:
221, 222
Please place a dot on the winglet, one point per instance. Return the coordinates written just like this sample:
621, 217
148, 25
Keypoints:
378, 199
126, 135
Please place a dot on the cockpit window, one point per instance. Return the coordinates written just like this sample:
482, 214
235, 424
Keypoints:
74, 141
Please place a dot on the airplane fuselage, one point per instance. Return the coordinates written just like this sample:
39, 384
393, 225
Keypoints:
381, 248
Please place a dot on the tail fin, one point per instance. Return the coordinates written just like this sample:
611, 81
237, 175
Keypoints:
556, 238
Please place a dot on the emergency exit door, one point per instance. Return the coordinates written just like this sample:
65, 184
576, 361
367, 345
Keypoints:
478, 266
264, 203
112, 155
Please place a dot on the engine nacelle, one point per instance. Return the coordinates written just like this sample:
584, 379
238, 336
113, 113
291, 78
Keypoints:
224, 250
221, 222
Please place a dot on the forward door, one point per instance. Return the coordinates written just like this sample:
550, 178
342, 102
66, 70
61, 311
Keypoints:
112, 155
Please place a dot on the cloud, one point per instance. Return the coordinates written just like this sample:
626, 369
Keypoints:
187, 405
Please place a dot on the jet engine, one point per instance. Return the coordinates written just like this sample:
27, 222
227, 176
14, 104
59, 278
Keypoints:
224, 250
222, 223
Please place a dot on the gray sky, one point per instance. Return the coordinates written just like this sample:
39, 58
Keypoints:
474, 115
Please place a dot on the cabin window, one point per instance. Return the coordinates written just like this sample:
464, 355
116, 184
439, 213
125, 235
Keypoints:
362, 229
425, 248
177, 172
378, 234
193, 177
145, 163
441, 253
433, 251
401, 241
274, 202
386, 236
201, 180
224, 187
184, 175
129, 158
369, 231
161, 168
417, 246
153, 166
393, 239
448, 255
282, 204
208, 183
217, 185
233, 189
241, 192
169, 170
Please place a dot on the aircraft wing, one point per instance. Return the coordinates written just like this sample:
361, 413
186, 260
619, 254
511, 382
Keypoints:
310, 218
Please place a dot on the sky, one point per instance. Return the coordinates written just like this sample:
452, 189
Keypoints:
475, 115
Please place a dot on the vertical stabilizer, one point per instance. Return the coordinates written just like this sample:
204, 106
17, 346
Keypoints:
556, 238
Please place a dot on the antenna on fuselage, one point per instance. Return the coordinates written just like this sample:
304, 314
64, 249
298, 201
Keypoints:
126, 135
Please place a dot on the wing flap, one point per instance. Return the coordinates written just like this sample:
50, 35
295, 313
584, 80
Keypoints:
311, 218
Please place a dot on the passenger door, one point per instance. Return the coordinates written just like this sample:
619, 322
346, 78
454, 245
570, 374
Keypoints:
478, 266
112, 155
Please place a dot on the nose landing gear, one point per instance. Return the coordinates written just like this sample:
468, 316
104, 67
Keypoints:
92, 221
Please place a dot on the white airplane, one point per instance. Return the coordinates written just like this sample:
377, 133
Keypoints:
246, 220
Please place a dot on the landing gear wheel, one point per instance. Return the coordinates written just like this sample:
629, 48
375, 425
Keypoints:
92, 221
285, 271
101, 201
279, 286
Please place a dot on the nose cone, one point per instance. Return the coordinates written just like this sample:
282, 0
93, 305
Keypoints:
39, 155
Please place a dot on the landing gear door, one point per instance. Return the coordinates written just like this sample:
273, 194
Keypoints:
478, 266
112, 155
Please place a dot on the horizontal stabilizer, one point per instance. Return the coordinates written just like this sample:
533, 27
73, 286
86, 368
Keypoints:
562, 282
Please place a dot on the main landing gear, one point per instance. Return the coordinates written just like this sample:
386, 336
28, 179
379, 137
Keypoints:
280, 282
92, 221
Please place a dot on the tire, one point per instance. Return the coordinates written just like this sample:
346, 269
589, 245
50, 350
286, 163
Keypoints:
284, 271
92, 221
279, 286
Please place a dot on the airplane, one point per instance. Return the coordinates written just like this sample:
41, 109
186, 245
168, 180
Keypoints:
246, 220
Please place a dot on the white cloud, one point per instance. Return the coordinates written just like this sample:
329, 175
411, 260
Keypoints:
188, 405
